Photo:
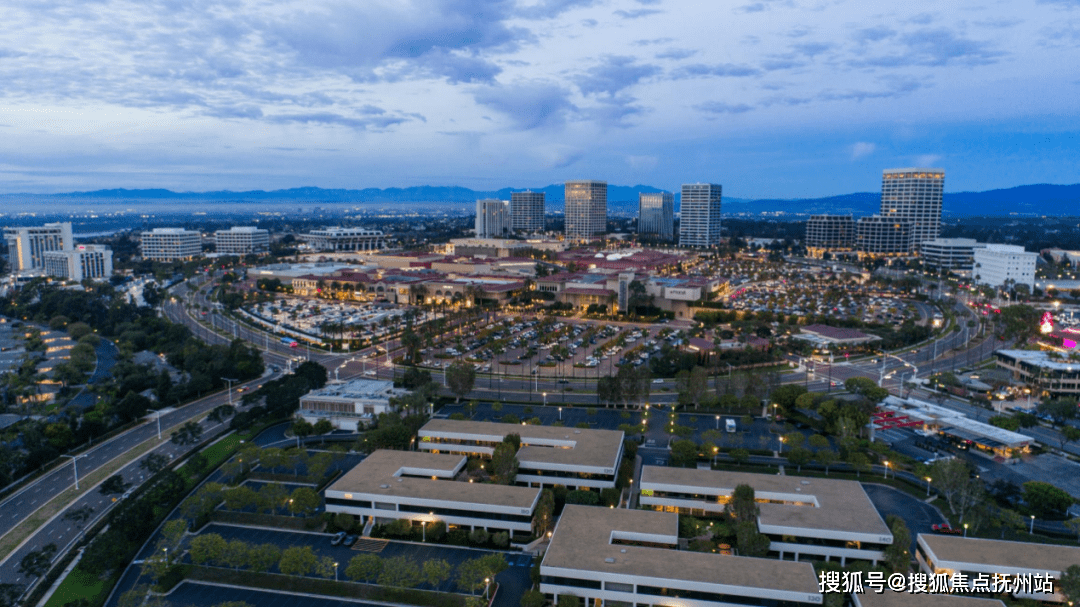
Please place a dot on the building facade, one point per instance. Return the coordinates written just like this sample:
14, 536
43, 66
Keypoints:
586, 208
527, 212
699, 215
999, 265
348, 405
656, 215
170, 244
829, 233
492, 219
85, 261
948, 254
344, 239
877, 235
27, 246
242, 240
1057, 376
914, 195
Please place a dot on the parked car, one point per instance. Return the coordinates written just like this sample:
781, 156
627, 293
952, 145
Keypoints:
350, 540
946, 528
337, 538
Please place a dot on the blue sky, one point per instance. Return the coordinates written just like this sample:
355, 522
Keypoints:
771, 98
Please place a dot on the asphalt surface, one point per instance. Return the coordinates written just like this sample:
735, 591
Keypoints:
918, 515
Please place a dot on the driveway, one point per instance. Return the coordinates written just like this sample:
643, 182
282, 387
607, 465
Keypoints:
918, 515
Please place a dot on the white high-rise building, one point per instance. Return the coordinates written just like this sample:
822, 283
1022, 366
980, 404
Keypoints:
586, 208
242, 240
699, 215
914, 195
93, 261
27, 246
171, 244
492, 218
997, 263
527, 211
656, 214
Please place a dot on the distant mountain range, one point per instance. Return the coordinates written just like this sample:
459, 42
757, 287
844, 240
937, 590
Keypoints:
1041, 199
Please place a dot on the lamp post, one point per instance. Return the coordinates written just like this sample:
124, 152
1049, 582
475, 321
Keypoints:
545, 399
231, 381
423, 532
1031, 530
157, 416
781, 445
75, 466
487, 586
717, 422
965, 529
166, 550
886, 473
560, 413
335, 571
928, 479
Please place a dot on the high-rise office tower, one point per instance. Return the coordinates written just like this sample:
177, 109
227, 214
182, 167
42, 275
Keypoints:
914, 195
586, 208
656, 215
27, 246
527, 211
492, 218
699, 215
877, 235
826, 233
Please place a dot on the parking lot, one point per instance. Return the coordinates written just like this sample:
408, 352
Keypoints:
513, 582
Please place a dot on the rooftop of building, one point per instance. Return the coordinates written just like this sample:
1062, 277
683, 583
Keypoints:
906, 599
954, 422
243, 229
951, 242
1050, 558
839, 505
171, 231
427, 476
583, 541
572, 446
1003, 248
356, 388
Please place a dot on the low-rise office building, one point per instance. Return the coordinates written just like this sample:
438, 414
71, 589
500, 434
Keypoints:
242, 240
1049, 373
344, 239
85, 261
974, 557
349, 405
615, 556
549, 455
421, 487
27, 246
1000, 265
170, 244
949, 254
803, 517
888, 598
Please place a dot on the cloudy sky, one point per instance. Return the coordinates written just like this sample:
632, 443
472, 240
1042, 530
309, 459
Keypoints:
784, 98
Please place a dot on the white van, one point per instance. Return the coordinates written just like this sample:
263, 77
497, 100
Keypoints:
729, 424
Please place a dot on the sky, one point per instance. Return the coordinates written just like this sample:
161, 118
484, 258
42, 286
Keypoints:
770, 98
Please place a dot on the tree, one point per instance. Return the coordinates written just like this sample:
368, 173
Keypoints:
303, 501
221, 413
859, 462
743, 505
684, 453
750, 541
898, 554
435, 572
460, 378
188, 434
364, 568
302, 428
582, 496
154, 463
297, 560
236, 554
1046, 500
37, 562
326, 567
1069, 434
741, 456
79, 515
207, 548
1069, 583
867, 388
799, 456
826, 457
262, 557
1059, 409
533, 598
544, 514
400, 572
953, 479
113, 484
504, 464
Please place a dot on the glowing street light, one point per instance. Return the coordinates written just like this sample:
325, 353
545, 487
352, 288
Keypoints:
928, 479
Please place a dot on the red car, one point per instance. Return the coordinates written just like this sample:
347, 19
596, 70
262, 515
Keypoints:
945, 528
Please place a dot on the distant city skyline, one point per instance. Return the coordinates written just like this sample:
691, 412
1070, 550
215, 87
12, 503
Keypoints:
792, 101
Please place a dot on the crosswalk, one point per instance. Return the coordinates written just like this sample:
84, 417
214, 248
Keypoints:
366, 544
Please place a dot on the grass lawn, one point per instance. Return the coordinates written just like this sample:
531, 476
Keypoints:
79, 585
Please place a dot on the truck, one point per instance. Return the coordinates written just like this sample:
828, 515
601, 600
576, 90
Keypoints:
729, 424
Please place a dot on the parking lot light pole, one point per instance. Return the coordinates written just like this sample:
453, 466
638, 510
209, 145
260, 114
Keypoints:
545, 403
560, 413
75, 466
1031, 530
487, 586
423, 527
886, 473
928, 479
965, 529
717, 422
335, 571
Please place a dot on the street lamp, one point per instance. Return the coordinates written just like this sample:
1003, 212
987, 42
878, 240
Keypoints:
560, 413
335, 571
1031, 530
75, 465
423, 532
487, 585
886, 474
545, 399
717, 422
928, 479
965, 529
781, 445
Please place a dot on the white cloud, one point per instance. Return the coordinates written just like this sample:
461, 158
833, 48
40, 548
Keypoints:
862, 149
927, 160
